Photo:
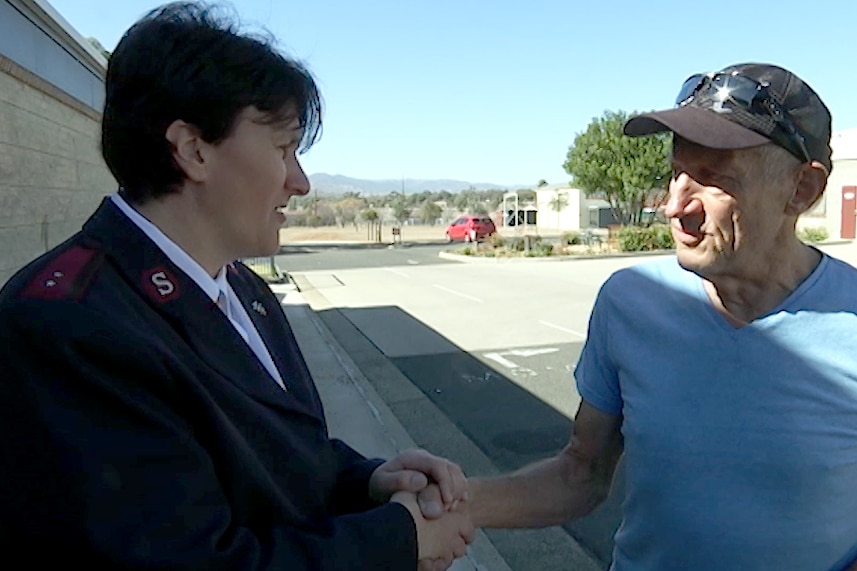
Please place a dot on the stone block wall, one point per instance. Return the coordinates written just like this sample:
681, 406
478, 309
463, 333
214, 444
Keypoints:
52, 175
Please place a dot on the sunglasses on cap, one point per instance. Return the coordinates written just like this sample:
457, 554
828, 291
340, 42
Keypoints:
739, 91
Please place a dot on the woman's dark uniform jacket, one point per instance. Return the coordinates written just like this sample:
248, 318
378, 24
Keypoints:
140, 431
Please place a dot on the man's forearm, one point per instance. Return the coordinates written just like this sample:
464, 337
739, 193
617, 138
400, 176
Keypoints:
547, 493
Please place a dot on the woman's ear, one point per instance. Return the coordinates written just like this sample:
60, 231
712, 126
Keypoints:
187, 149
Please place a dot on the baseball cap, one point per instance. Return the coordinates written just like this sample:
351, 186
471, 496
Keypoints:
746, 105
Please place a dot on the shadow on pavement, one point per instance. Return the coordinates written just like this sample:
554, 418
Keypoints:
508, 424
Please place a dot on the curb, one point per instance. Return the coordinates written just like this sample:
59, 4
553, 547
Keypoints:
531, 259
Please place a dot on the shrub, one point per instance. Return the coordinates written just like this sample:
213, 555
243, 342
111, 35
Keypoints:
639, 239
540, 249
496, 241
515, 244
813, 234
570, 238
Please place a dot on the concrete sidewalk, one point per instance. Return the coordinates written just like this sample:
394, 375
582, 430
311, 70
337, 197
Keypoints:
356, 413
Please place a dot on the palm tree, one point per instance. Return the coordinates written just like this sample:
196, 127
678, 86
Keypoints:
558, 204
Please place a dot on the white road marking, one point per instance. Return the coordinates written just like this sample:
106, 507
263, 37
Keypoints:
515, 369
397, 272
581, 335
458, 293
530, 352
501, 360
413, 262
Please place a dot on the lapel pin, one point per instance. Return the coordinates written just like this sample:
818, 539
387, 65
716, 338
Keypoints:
259, 308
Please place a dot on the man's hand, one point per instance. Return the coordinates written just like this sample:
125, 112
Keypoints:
440, 540
412, 471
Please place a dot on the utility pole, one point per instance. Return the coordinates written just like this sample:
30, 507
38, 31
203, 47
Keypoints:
404, 205
315, 203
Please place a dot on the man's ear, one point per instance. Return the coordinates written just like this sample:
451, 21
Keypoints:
187, 149
810, 184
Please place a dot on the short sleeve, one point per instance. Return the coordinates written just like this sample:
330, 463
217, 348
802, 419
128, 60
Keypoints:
596, 375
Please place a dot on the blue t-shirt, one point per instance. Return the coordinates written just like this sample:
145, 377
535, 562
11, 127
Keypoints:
740, 444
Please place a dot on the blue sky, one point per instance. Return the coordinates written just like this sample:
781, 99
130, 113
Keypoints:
495, 91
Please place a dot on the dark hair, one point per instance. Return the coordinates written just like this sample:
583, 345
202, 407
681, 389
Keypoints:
186, 60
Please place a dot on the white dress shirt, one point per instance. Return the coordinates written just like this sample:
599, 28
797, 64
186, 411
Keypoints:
217, 288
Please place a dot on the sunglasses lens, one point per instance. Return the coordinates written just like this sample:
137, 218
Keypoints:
688, 88
739, 89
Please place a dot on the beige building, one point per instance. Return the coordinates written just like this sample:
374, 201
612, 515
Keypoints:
561, 208
51, 95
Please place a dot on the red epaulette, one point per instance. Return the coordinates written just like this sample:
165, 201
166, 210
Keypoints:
66, 276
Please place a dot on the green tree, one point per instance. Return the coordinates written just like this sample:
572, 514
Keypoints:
629, 172
493, 199
401, 212
430, 212
462, 200
479, 208
325, 213
348, 208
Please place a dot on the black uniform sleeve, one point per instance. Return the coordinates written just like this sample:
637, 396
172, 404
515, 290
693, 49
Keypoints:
96, 467
352, 486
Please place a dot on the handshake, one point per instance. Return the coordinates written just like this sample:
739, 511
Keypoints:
435, 492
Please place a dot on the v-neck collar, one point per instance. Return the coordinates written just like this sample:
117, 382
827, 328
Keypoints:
762, 320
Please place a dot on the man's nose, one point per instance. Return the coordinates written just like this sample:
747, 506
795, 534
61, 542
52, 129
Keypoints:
680, 195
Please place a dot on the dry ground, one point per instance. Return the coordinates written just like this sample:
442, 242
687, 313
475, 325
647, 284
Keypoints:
417, 233
409, 233
349, 234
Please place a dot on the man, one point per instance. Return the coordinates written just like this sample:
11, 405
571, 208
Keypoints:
156, 410
727, 375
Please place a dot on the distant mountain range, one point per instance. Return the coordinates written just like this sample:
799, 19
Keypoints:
339, 184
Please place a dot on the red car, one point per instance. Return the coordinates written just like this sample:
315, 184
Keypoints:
470, 228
